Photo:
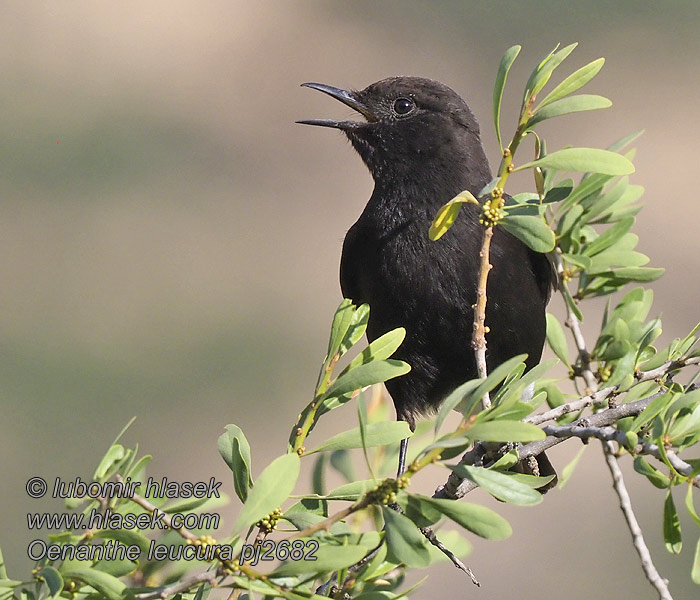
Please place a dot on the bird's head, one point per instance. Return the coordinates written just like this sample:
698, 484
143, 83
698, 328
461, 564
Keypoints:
412, 127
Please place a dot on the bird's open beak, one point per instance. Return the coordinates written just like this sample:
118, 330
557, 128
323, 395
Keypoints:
347, 98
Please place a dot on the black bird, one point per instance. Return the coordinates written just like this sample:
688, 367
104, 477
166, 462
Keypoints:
421, 143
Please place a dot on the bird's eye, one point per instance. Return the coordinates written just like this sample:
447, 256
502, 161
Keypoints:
403, 106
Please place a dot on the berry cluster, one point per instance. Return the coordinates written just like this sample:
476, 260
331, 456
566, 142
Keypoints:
268, 523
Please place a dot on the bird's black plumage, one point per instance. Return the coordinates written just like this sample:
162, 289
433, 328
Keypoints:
421, 143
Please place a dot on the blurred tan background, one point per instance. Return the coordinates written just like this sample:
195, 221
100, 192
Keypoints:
169, 238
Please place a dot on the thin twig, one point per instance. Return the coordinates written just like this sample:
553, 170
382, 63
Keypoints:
611, 434
605, 393
573, 323
479, 333
658, 582
609, 452
432, 538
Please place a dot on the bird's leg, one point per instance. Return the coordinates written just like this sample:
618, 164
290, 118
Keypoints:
402, 457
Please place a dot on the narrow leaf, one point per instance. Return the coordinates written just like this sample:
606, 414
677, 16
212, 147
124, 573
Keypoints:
574, 82
364, 375
656, 477
565, 106
606, 239
106, 584
499, 485
492, 380
672, 526
557, 339
376, 434
506, 63
405, 543
479, 520
543, 72
341, 322
356, 328
380, 349
53, 579
451, 402
531, 230
584, 160
643, 274
273, 486
695, 571
327, 558
235, 450
448, 213
625, 141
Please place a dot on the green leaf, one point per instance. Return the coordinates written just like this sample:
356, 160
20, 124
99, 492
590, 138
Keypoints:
356, 329
328, 558
543, 72
672, 526
421, 513
505, 431
106, 584
604, 261
499, 485
565, 106
492, 380
530, 481
341, 322
118, 567
364, 375
115, 453
235, 450
53, 579
531, 230
137, 470
352, 491
126, 537
273, 486
405, 543
695, 572
380, 349
625, 141
643, 274
506, 63
447, 214
376, 434
652, 410
559, 192
689, 504
479, 520
656, 477
557, 339
606, 239
573, 82
362, 416
451, 402
583, 160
